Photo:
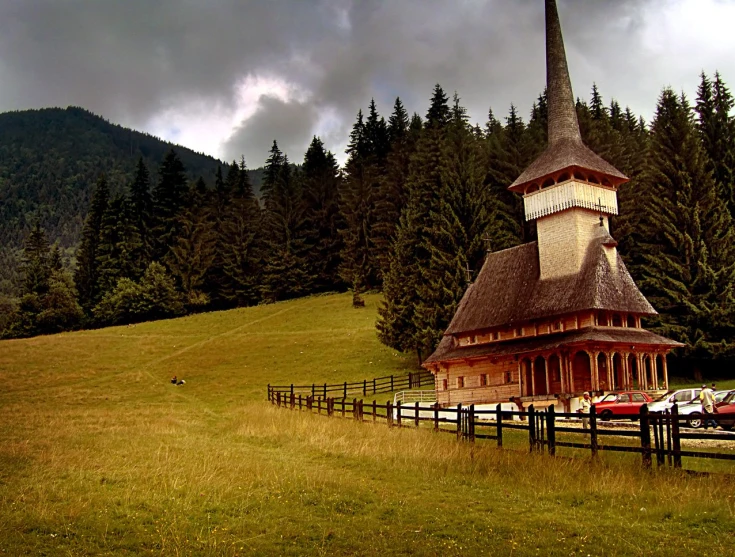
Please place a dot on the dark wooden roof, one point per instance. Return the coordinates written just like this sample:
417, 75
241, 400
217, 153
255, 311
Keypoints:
565, 142
449, 350
509, 289
565, 154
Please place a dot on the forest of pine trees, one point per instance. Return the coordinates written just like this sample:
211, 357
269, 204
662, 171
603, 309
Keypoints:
418, 203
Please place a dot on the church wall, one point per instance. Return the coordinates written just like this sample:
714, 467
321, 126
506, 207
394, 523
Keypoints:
501, 380
563, 239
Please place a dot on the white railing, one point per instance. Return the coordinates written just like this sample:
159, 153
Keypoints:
414, 396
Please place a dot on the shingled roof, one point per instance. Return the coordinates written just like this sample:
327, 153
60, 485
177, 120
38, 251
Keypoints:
509, 289
449, 350
565, 142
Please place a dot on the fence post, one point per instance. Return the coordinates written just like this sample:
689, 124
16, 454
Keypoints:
308, 402
531, 428
325, 390
391, 383
471, 424
417, 414
291, 388
499, 422
293, 401
375, 412
364, 387
389, 413
345, 390
299, 401
593, 430
436, 416
354, 408
645, 436
675, 439
373, 385
398, 413
278, 398
459, 421
551, 429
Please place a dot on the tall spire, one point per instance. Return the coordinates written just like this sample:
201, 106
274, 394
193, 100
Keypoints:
563, 122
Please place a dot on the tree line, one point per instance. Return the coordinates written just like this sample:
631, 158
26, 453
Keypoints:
412, 213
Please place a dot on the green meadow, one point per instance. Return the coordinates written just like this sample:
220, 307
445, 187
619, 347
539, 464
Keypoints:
101, 455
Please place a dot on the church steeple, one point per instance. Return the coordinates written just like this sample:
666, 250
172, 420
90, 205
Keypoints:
566, 153
563, 124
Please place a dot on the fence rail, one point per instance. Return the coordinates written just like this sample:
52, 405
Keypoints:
659, 435
387, 384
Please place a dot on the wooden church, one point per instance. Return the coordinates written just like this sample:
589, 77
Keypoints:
548, 320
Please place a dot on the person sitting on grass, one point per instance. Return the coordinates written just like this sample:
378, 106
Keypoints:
174, 380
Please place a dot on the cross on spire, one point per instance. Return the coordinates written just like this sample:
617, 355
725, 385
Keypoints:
488, 241
600, 207
468, 271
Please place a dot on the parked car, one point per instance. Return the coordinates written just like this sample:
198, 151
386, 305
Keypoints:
693, 409
725, 416
616, 404
682, 396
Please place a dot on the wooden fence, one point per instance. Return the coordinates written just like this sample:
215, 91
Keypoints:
387, 384
658, 435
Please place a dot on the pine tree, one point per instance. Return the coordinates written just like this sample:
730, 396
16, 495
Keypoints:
36, 267
119, 252
690, 260
86, 276
169, 198
392, 195
322, 220
359, 267
284, 274
403, 286
239, 244
717, 130
141, 209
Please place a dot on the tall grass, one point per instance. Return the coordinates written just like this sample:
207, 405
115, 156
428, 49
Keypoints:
99, 454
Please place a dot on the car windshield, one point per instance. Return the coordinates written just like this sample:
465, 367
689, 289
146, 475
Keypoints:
664, 396
727, 396
610, 398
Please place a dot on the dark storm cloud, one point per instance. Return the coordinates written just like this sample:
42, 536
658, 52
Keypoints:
135, 59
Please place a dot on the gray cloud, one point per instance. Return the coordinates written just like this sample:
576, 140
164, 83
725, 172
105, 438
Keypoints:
131, 61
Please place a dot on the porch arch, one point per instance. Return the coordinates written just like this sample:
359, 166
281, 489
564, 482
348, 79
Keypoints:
582, 371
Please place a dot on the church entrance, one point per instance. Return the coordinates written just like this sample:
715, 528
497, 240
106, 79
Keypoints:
618, 374
526, 378
635, 380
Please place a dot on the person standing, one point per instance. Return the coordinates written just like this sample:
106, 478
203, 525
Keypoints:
586, 405
707, 397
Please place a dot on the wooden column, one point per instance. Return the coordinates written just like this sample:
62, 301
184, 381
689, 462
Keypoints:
666, 372
533, 377
570, 372
624, 363
642, 379
610, 370
520, 378
546, 369
593, 370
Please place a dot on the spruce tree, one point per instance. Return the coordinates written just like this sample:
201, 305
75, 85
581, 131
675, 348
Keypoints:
141, 209
86, 276
169, 198
716, 127
284, 273
322, 220
689, 274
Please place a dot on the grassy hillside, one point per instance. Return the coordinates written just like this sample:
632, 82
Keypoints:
100, 454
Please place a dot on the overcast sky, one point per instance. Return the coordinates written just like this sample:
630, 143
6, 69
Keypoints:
226, 77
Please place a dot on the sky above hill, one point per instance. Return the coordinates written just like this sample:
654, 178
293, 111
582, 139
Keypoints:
226, 77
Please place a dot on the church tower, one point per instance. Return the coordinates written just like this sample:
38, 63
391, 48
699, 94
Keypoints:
569, 190
548, 320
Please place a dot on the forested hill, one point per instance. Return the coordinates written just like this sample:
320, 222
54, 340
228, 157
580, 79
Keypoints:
51, 158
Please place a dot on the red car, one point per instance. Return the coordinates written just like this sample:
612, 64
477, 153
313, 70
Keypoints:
725, 415
615, 404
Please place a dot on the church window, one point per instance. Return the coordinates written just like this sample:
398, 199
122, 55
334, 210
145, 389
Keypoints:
563, 178
602, 319
460, 382
557, 325
519, 331
593, 179
495, 335
631, 321
617, 321
508, 377
547, 183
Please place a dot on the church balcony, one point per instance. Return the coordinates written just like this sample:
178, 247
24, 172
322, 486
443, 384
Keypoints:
566, 195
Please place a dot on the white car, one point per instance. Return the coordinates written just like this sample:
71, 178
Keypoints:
693, 409
682, 396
